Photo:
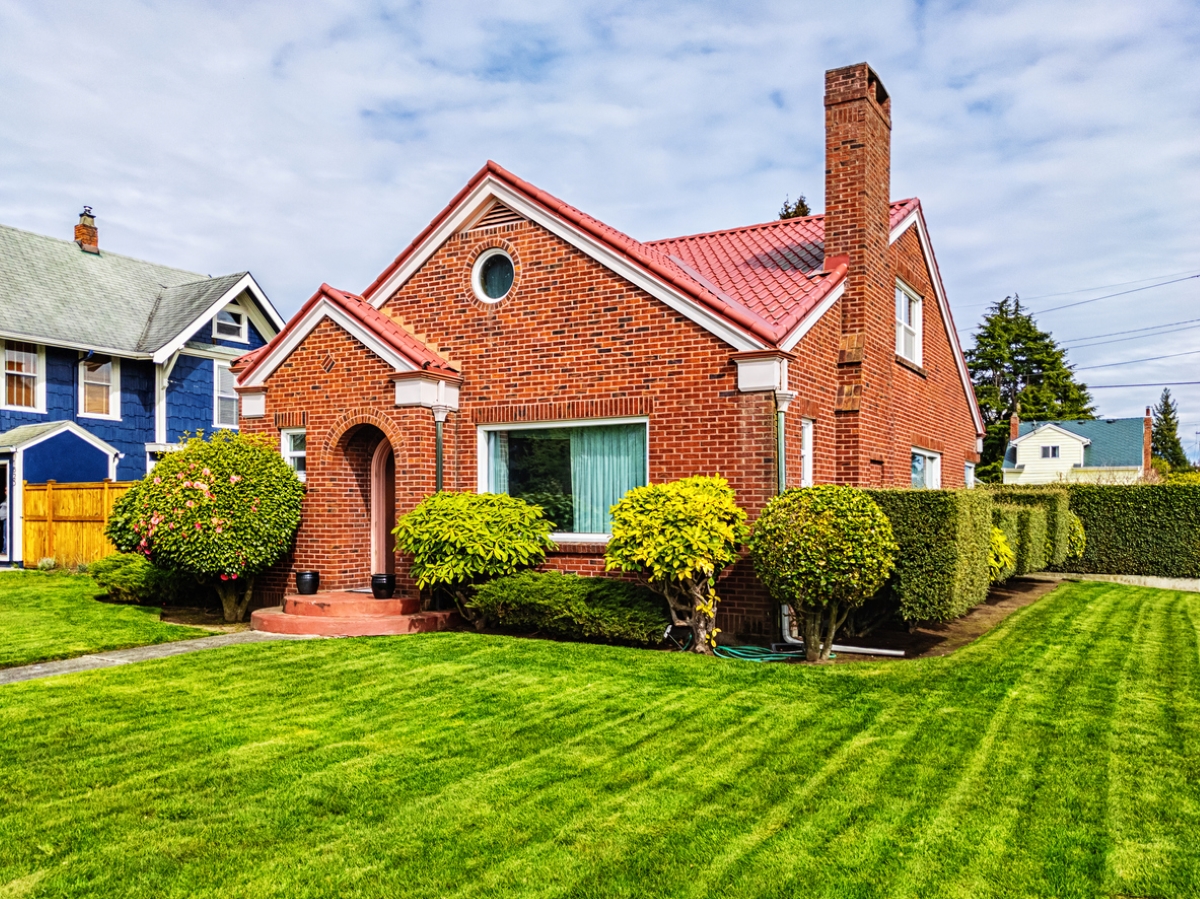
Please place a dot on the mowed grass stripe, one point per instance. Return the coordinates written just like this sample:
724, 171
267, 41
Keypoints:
457, 764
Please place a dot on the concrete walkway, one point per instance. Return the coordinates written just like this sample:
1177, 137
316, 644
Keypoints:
1187, 585
136, 654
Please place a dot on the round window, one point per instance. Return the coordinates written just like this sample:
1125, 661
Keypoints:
493, 276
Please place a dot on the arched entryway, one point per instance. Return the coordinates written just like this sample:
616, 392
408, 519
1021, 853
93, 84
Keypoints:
383, 508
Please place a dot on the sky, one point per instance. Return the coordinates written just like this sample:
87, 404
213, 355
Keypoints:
1055, 145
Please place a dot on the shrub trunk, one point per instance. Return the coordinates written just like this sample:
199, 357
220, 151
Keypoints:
235, 597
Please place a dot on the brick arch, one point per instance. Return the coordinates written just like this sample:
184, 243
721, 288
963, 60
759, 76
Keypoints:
353, 418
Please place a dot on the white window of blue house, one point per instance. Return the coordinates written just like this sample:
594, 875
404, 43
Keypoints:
926, 469
576, 472
225, 402
293, 445
230, 324
24, 376
100, 387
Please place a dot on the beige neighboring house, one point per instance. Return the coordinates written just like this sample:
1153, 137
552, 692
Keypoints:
1097, 451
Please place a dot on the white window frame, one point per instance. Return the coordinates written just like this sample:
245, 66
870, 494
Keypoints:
477, 275
114, 392
289, 454
39, 379
5, 472
218, 364
933, 468
916, 306
968, 474
482, 432
806, 452
1052, 451
243, 335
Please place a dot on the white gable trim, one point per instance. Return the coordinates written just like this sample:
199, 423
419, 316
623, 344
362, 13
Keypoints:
490, 189
301, 329
87, 436
915, 218
271, 319
797, 333
1051, 427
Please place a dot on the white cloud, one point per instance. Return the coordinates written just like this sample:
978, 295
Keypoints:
1052, 143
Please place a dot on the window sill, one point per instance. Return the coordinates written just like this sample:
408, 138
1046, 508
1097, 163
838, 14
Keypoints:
221, 427
95, 416
29, 409
910, 365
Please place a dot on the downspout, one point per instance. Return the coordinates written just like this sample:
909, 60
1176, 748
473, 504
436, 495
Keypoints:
439, 419
783, 399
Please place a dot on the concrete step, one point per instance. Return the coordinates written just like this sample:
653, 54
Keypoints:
348, 605
275, 620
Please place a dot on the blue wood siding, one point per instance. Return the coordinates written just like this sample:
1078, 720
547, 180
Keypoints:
205, 336
65, 457
190, 397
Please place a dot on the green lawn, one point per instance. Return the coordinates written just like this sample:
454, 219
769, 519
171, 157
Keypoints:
1058, 756
48, 615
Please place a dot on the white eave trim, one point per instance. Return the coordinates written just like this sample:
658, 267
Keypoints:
108, 449
797, 334
301, 329
71, 345
915, 218
490, 189
245, 283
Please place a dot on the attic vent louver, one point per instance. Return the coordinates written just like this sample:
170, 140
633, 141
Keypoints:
499, 214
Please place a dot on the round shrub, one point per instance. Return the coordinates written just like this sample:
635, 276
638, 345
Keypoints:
679, 537
1002, 561
220, 510
460, 539
824, 551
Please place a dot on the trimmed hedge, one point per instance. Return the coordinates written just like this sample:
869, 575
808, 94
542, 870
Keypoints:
945, 537
1025, 528
1057, 503
1151, 529
572, 606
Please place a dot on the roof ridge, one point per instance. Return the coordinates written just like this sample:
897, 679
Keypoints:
759, 225
108, 253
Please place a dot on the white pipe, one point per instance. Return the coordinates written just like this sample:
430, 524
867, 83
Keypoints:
786, 615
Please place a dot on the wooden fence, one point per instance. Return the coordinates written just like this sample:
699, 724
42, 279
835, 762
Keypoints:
65, 522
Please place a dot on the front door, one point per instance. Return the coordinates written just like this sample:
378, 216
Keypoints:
383, 509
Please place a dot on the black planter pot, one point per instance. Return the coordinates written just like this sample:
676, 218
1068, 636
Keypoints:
307, 582
383, 585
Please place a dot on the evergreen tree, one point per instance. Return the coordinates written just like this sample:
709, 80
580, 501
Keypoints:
1164, 434
1018, 367
798, 209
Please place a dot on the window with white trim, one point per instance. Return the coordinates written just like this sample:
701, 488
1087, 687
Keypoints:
926, 469
908, 323
969, 474
1050, 452
294, 450
225, 401
574, 471
100, 387
24, 387
230, 324
806, 452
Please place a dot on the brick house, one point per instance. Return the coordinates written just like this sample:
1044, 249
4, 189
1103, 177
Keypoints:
519, 345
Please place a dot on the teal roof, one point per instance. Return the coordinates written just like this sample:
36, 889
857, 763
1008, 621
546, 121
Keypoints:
53, 292
1115, 442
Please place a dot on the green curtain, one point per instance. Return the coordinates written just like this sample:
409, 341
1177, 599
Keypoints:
498, 461
605, 463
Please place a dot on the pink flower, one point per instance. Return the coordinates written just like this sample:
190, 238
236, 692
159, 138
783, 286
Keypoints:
206, 472
190, 504
234, 478
158, 480
172, 525
219, 530
224, 577
199, 525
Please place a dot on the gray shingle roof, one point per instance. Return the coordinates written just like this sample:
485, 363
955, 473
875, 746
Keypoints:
53, 292
1115, 442
19, 436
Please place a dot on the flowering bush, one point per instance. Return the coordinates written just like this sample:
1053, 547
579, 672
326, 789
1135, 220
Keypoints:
221, 510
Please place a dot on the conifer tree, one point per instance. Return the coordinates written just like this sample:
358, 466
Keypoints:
1018, 367
1164, 433
797, 209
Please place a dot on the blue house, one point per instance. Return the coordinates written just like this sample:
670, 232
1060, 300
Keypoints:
107, 360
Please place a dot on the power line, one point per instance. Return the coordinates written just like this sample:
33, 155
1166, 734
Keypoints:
1123, 339
1187, 321
1046, 296
1109, 296
1136, 361
1155, 384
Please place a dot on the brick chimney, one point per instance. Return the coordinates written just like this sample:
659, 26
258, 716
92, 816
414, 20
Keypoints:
1147, 432
858, 134
85, 232
1014, 426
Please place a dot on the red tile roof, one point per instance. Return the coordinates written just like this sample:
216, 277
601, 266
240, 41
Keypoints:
762, 278
408, 346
